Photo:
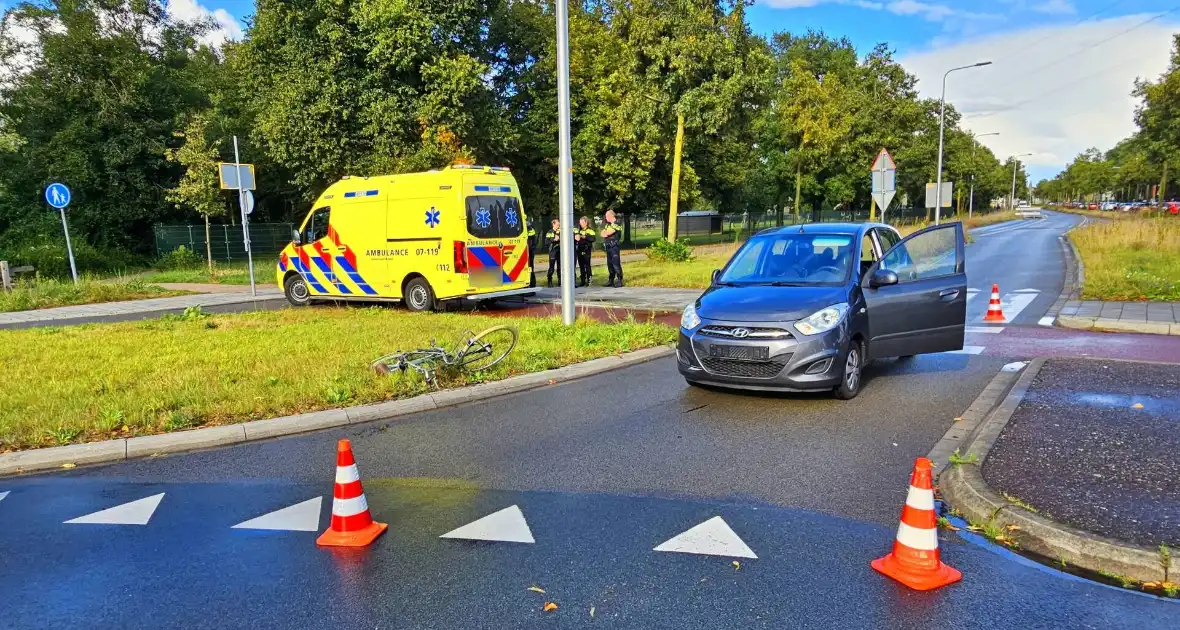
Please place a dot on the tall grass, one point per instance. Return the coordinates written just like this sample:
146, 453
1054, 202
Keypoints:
233, 273
47, 293
1133, 259
83, 383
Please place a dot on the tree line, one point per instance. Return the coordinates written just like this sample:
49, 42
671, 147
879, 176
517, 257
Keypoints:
129, 107
1137, 168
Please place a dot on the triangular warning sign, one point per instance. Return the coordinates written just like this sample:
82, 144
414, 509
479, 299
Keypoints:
301, 517
134, 513
711, 538
507, 525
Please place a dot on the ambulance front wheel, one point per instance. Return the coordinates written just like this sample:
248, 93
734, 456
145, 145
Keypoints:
295, 288
418, 295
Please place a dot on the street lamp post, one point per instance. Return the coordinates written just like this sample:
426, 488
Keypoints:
971, 197
565, 178
1012, 195
941, 124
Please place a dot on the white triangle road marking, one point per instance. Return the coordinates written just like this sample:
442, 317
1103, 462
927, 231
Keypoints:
1014, 367
4, 494
507, 525
972, 293
714, 537
137, 512
301, 517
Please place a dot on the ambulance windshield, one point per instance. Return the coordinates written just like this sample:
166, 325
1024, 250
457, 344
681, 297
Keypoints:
491, 216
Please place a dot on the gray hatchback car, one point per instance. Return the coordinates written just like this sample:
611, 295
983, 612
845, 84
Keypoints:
805, 308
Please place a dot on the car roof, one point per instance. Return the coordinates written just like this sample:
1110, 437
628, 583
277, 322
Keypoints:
824, 228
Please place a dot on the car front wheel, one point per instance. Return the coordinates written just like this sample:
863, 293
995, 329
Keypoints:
853, 373
296, 291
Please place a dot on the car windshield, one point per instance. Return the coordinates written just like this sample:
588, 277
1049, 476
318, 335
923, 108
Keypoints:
790, 259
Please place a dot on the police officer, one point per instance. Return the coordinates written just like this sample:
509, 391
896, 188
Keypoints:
583, 244
533, 244
553, 238
612, 233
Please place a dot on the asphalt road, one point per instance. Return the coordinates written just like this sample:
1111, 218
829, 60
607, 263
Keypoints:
603, 470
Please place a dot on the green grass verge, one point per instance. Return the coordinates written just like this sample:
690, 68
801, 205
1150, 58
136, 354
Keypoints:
84, 383
236, 273
1136, 258
48, 293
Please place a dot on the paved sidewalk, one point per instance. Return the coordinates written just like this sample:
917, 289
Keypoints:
641, 298
1161, 318
133, 309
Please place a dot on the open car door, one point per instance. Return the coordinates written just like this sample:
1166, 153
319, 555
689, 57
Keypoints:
916, 295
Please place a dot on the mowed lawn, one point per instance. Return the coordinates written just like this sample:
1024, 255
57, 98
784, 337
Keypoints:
1131, 259
84, 383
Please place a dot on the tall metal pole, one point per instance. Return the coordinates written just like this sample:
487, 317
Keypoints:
565, 177
1012, 195
245, 219
941, 126
69, 248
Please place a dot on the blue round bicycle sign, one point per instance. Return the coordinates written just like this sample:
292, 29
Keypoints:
57, 195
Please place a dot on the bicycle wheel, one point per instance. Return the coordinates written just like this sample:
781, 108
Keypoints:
487, 348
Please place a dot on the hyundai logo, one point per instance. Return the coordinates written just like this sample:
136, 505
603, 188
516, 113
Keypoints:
741, 333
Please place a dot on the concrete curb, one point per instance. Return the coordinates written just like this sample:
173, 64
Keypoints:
962, 430
1075, 273
108, 451
964, 488
1117, 325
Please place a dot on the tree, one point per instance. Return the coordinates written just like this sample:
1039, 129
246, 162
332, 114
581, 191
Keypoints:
198, 188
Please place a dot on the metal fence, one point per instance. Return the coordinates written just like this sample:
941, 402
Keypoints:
225, 241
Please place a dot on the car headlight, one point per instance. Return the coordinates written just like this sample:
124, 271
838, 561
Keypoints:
822, 320
690, 319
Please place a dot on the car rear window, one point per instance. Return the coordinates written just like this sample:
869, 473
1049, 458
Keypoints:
490, 216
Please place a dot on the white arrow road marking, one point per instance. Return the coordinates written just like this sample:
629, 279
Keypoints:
987, 330
507, 525
301, 517
711, 538
4, 494
966, 350
137, 512
1046, 321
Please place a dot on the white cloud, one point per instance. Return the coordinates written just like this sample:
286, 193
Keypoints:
1055, 7
1050, 90
932, 12
190, 10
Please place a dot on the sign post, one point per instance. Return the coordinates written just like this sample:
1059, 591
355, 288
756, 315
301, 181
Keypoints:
58, 196
884, 174
246, 203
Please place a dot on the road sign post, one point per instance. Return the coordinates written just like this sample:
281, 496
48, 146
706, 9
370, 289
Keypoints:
58, 196
884, 178
243, 202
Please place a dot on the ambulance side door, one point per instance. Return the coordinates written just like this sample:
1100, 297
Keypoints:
414, 232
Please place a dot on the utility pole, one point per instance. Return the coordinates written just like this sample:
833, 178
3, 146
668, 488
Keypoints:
565, 167
675, 201
1012, 195
941, 125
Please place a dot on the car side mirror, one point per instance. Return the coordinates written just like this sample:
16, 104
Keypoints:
716, 275
295, 237
883, 278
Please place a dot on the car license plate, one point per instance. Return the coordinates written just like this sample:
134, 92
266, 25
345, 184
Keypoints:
747, 353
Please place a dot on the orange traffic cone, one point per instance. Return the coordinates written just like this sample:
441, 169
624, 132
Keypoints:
994, 314
914, 560
352, 525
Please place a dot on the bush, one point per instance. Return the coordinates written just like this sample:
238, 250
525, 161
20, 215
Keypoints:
49, 258
180, 258
670, 251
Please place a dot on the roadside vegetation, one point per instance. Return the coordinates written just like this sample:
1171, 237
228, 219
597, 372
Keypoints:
235, 273
94, 382
47, 293
1133, 259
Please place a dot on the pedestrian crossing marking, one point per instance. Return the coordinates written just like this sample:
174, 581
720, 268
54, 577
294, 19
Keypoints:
992, 330
507, 525
301, 517
967, 350
137, 512
714, 537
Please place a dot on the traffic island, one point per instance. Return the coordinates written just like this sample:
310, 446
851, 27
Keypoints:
1078, 467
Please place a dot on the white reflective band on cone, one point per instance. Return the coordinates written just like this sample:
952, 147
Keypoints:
347, 474
349, 507
920, 499
914, 538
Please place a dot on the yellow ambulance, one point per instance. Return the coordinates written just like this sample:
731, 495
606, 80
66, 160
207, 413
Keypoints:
418, 238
